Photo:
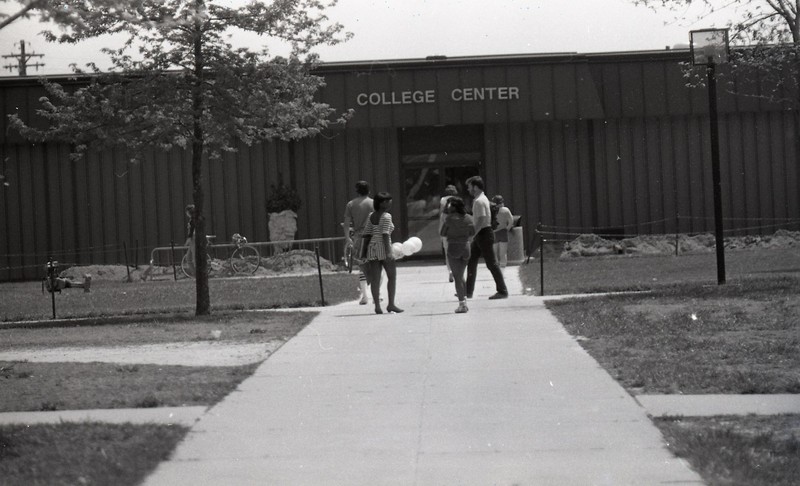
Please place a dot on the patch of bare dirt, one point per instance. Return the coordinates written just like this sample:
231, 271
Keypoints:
290, 263
205, 353
593, 245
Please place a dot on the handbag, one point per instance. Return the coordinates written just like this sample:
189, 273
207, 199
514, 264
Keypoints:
363, 244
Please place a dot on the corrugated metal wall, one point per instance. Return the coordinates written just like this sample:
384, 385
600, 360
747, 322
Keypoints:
87, 210
616, 143
648, 175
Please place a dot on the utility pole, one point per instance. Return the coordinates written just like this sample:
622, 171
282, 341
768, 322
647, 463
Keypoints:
22, 60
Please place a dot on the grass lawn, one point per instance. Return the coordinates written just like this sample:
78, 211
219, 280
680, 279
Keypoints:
84, 453
81, 386
93, 453
73, 386
644, 272
694, 339
25, 300
240, 327
688, 335
733, 450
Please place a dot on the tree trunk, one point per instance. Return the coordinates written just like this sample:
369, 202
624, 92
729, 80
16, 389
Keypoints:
203, 299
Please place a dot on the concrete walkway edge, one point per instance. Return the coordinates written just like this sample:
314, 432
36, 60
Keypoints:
163, 415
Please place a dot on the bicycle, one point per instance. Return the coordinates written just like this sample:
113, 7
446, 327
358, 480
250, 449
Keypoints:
187, 264
349, 252
244, 260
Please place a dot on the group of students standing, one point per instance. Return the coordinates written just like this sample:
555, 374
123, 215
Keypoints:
466, 238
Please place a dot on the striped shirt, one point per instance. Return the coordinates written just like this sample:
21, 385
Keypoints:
377, 249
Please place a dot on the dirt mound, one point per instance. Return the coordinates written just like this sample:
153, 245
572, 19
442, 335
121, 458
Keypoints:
100, 272
593, 245
294, 262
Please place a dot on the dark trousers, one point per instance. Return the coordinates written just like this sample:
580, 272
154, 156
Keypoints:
483, 246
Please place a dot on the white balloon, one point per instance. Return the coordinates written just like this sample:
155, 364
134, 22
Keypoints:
416, 242
397, 249
408, 248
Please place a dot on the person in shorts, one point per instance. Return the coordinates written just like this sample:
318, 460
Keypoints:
504, 223
380, 256
355, 215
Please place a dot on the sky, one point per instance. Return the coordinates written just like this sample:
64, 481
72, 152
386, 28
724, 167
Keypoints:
414, 29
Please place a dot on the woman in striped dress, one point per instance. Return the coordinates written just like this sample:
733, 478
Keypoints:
379, 252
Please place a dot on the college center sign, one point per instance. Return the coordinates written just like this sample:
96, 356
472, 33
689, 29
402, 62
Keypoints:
458, 95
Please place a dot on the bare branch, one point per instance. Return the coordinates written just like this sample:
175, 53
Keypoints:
22, 13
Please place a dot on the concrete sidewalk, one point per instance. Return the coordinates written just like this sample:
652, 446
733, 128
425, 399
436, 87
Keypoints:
501, 395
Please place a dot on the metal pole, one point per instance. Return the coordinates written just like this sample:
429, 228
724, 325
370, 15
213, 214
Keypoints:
127, 266
51, 274
538, 233
541, 263
715, 170
319, 272
172, 260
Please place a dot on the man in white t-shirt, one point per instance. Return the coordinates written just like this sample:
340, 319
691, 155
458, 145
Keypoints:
483, 242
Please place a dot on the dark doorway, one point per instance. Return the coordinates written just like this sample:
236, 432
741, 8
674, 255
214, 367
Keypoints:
432, 158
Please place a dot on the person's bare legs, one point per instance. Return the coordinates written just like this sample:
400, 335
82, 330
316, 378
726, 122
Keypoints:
391, 285
373, 268
446, 260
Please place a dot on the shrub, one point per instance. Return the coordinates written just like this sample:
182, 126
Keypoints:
282, 198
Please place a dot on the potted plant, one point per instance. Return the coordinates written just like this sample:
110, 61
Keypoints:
282, 206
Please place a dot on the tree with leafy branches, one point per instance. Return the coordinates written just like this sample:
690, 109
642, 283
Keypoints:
188, 87
58, 12
766, 34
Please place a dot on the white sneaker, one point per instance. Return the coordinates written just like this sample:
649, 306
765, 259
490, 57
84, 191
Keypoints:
462, 308
364, 301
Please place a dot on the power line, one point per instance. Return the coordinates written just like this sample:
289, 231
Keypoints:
22, 60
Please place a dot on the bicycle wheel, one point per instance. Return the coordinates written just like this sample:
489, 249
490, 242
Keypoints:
188, 266
348, 258
245, 260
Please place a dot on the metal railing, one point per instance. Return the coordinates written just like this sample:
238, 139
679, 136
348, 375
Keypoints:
331, 249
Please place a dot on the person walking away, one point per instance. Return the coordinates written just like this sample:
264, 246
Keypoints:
379, 228
355, 214
449, 192
458, 229
505, 221
483, 242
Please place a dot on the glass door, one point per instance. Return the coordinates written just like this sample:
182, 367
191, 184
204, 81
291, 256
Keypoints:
425, 178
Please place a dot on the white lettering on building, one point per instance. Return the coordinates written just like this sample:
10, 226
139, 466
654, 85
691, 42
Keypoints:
396, 98
486, 93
